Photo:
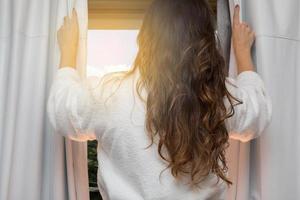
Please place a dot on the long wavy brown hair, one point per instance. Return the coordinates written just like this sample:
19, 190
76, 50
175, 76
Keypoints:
184, 74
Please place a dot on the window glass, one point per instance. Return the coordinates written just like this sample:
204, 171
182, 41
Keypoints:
110, 50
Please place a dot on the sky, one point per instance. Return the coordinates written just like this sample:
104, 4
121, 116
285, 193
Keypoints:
110, 50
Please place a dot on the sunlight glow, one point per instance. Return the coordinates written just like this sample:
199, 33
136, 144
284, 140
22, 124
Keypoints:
110, 51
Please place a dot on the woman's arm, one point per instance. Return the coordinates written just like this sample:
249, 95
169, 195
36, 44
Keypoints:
250, 118
254, 114
71, 104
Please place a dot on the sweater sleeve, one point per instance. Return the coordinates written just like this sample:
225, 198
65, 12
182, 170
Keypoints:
253, 115
71, 106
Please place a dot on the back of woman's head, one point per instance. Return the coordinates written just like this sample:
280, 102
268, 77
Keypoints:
184, 75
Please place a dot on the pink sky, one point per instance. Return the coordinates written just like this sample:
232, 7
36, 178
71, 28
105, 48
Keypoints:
111, 48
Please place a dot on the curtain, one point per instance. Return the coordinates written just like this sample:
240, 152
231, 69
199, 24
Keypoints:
35, 163
268, 167
238, 153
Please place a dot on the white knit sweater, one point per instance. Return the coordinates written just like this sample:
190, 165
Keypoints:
112, 113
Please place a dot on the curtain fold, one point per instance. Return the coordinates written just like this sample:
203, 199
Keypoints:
35, 163
237, 153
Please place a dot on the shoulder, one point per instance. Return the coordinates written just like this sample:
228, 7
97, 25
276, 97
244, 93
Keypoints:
112, 85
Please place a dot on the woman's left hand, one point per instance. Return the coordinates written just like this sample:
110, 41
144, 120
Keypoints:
68, 36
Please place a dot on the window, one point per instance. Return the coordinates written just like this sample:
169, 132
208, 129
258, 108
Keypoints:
121, 14
110, 50
113, 28
116, 14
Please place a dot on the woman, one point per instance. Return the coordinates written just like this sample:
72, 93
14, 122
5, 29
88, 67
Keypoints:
163, 127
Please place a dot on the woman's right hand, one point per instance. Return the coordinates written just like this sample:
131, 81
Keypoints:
243, 38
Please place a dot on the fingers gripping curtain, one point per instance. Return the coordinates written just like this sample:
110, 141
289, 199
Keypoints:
35, 163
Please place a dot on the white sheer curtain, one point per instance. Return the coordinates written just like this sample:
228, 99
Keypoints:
35, 164
268, 168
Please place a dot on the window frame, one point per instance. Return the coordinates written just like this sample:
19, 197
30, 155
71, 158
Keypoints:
120, 14
116, 14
